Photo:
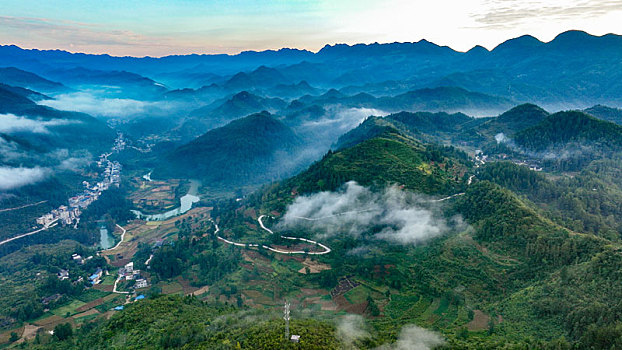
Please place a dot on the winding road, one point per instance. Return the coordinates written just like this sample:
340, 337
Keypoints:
280, 251
325, 248
114, 289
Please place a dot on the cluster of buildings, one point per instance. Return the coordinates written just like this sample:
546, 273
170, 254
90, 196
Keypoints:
79, 259
119, 143
481, 159
68, 215
63, 214
129, 273
94, 278
531, 166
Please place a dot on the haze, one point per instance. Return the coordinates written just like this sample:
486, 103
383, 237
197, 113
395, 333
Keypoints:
158, 28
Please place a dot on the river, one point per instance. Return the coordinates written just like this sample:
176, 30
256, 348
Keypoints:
186, 203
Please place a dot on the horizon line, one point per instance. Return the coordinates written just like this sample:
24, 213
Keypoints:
304, 49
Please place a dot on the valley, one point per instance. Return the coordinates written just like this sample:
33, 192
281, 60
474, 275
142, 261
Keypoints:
390, 194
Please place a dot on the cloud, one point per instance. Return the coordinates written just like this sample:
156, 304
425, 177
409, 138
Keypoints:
559, 152
340, 120
501, 138
98, 106
9, 150
74, 163
395, 215
11, 178
508, 13
351, 328
84, 37
415, 338
10, 123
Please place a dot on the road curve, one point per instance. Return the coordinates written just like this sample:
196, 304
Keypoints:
121, 241
280, 251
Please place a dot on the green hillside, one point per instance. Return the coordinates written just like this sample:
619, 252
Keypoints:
562, 128
613, 115
244, 151
513, 121
186, 322
385, 159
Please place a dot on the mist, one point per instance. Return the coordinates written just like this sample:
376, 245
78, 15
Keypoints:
415, 338
397, 216
10, 123
11, 178
351, 328
108, 107
75, 163
336, 121
340, 120
570, 150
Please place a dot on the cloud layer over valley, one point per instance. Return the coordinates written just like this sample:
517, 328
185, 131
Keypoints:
107, 107
10, 123
392, 214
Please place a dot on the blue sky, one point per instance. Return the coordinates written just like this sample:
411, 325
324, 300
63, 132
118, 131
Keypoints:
162, 27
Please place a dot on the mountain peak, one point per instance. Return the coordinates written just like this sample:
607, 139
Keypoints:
524, 42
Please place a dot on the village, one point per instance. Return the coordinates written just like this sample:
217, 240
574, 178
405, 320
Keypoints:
111, 175
481, 159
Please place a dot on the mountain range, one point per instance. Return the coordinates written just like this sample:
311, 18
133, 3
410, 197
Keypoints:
523, 69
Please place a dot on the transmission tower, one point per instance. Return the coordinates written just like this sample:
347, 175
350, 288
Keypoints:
286, 318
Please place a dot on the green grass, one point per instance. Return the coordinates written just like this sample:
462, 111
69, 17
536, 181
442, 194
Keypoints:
86, 318
293, 265
68, 308
91, 295
357, 295
171, 288
399, 304
442, 307
108, 280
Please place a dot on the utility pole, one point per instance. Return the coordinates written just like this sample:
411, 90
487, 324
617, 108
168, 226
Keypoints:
286, 318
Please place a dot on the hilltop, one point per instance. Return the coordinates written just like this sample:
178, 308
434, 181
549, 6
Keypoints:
247, 150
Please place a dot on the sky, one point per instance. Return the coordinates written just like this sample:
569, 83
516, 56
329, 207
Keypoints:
165, 27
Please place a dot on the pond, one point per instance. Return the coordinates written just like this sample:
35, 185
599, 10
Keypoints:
185, 204
106, 240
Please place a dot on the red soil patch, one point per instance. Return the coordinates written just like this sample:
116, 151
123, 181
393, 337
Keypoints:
91, 305
479, 322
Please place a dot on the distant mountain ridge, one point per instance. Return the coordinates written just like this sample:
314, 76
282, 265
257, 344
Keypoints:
523, 69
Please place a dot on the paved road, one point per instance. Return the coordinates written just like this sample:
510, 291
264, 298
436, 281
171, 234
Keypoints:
23, 206
27, 234
121, 241
280, 251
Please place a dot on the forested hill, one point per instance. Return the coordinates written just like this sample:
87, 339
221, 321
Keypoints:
59, 129
606, 113
192, 324
513, 121
388, 158
562, 128
253, 149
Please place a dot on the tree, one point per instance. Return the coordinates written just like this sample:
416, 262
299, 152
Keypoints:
372, 307
14, 337
63, 331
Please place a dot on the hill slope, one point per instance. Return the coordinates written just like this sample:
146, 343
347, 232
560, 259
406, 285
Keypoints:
388, 158
247, 150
